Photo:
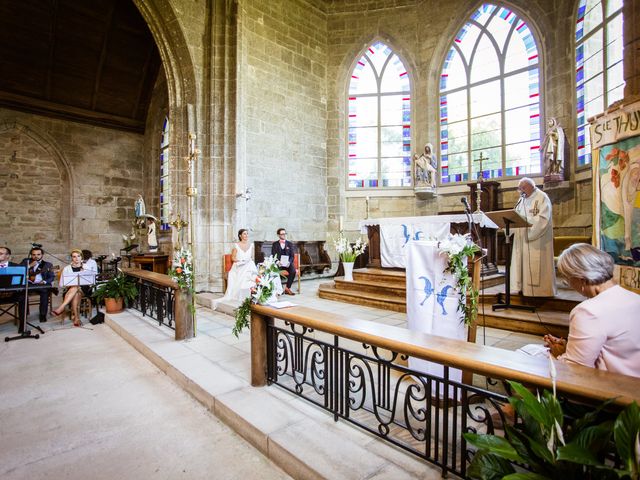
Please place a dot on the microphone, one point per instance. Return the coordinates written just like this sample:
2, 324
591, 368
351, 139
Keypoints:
523, 195
465, 202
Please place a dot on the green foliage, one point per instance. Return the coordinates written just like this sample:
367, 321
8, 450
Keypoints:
243, 313
576, 450
468, 303
120, 286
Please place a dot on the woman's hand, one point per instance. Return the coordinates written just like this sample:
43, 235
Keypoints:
557, 346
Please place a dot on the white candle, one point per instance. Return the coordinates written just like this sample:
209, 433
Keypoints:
340, 223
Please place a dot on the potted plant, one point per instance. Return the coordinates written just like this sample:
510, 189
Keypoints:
114, 291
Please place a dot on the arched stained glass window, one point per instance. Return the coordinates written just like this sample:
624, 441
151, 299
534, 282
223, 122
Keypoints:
379, 121
599, 65
490, 99
164, 176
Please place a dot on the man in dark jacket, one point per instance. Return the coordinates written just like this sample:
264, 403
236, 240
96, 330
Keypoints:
41, 275
285, 247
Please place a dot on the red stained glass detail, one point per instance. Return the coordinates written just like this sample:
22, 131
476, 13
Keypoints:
520, 26
360, 62
371, 50
403, 74
533, 56
352, 98
354, 76
534, 115
535, 147
534, 95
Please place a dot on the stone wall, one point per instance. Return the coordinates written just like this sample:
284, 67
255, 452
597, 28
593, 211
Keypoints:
282, 119
66, 184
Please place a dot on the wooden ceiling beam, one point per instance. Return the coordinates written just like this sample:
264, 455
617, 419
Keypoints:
103, 54
57, 110
52, 47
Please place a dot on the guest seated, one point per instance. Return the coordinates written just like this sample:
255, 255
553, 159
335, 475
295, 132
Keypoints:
243, 271
11, 296
284, 247
40, 274
72, 293
603, 330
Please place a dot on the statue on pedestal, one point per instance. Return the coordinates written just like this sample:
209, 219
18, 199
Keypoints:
426, 167
553, 152
152, 239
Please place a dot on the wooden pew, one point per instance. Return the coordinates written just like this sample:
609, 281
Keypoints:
313, 256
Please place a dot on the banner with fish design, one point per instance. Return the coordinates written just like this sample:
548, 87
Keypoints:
395, 238
432, 302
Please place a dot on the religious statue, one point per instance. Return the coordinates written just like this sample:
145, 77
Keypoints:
553, 151
176, 232
139, 206
426, 167
152, 240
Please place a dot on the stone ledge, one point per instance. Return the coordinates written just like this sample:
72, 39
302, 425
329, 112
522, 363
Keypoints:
272, 420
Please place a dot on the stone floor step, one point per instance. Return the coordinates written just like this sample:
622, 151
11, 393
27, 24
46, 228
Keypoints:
539, 323
379, 287
299, 437
556, 304
386, 302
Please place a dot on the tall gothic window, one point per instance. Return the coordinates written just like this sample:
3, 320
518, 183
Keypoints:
599, 74
490, 99
379, 121
164, 176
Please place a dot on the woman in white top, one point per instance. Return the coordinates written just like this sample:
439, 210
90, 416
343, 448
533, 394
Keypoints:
73, 293
242, 275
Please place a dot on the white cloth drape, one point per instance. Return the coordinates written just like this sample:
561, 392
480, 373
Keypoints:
395, 238
432, 302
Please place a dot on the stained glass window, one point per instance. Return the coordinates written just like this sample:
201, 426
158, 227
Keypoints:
490, 99
164, 176
599, 65
379, 121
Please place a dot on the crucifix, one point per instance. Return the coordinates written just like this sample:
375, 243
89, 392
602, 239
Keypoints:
178, 224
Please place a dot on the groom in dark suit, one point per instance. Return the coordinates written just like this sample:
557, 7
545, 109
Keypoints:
40, 274
285, 247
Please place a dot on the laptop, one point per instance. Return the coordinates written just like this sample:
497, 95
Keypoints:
13, 276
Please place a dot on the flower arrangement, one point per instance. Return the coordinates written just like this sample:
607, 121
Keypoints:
458, 248
346, 251
182, 269
267, 285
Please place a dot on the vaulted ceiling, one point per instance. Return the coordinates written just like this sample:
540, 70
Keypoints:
92, 61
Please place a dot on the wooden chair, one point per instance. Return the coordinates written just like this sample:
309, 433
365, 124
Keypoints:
296, 265
227, 264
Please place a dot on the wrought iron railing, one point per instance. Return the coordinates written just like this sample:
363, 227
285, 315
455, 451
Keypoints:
407, 408
155, 301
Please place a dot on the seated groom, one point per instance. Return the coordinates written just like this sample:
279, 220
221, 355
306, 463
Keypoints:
284, 247
40, 274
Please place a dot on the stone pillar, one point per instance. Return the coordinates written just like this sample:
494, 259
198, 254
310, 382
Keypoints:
631, 13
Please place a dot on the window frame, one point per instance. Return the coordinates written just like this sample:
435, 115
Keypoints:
379, 95
164, 176
501, 77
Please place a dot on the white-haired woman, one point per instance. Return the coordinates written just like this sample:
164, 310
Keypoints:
604, 330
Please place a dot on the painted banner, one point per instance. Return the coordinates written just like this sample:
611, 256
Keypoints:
615, 126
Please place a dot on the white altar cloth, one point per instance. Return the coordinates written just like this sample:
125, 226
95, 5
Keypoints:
432, 303
398, 232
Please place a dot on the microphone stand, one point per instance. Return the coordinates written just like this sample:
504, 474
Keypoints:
22, 333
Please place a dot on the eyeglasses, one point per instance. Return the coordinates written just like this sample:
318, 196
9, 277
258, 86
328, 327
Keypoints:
282, 233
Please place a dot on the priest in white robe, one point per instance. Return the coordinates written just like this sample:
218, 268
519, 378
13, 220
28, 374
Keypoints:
532, 269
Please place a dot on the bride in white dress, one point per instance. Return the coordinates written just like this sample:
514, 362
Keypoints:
243, 272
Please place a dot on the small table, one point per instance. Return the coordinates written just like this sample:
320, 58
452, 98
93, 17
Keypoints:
154, 262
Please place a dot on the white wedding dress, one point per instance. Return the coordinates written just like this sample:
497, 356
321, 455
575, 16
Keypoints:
241, 278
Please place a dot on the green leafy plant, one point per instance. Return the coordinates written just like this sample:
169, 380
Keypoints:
120, 286
459, 248
552, 449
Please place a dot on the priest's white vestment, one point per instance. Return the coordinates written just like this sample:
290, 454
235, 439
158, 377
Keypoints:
532, 268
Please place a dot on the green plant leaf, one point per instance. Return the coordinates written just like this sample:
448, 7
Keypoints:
493, 444
574, 453
625, 432
525, 476
530, 402
487, 466
594, 438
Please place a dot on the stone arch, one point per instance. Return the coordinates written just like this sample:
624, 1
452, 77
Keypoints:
49, 144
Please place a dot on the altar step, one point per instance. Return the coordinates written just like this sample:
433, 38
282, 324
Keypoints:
385, 289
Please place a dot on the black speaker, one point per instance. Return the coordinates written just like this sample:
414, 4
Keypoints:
99, 318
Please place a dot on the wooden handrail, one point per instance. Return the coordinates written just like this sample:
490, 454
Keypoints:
490, 361
153, 277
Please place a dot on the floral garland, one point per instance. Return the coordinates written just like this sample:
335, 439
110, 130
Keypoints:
267, 285
346, 251
458, 248
182, 269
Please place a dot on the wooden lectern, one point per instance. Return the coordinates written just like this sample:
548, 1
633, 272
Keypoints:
508, 219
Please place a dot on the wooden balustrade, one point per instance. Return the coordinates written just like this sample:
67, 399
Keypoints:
183, 320
496, 363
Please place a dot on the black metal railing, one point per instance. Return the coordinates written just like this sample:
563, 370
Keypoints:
155, 301
407, 408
